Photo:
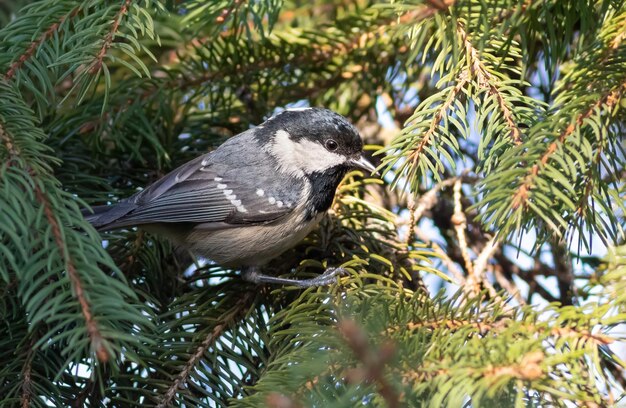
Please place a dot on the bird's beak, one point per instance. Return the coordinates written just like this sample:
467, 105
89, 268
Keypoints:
363, 164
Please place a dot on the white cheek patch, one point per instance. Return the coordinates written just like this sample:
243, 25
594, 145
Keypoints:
302, 157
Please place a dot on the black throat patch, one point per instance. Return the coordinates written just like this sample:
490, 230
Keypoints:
323, 187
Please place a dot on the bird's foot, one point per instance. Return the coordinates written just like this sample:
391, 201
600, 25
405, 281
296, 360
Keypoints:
329, 276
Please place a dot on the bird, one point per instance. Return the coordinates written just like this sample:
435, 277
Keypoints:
253, 197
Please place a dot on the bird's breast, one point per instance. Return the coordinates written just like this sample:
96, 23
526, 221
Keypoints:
253, 244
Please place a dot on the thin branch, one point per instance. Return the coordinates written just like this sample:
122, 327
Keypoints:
486, 80
459, 220
96, 64
564, 272
428, 200
607, 101
414, 217
453, 268
373, 361
480, 267
508, 285
480, 264
504, 15
211, 338
27, 389
528, 369
8, 143
485, 327
30, 51
462, 79
95, 337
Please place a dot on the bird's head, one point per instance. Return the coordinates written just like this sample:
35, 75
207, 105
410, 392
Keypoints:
314, 140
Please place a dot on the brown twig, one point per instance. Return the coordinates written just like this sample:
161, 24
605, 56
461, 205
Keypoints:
226, 320
27, 391
608, 100
510, 12
459, 220
508, 285
415, 153
564, 273
373, 361
480, 268
30, 51
528, 369
453, 268
486, 80
8, 143
96, 338
96, 64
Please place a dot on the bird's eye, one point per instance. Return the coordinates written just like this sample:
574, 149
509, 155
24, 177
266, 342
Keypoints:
331, 145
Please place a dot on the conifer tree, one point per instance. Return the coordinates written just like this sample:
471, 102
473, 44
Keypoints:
487, 264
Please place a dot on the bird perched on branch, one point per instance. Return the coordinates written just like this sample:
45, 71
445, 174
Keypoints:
253, 197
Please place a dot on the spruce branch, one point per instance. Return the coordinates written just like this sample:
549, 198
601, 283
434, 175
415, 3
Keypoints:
459, 220
27, 385
96, 338
606, 102
226, 320
490, 83
96, 64
489, 325
528, 369
415, 153
373, 361
32, 48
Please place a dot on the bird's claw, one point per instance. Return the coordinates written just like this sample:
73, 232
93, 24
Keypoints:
330, 276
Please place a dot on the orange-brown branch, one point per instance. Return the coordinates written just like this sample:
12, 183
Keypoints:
95, 337
607, 101
486, 80
30, 51
484, 327
528, 369
373, 361
27, 385
96, 64
462, 80
212, 337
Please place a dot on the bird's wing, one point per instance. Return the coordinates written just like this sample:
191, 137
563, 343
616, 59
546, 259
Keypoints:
203, 192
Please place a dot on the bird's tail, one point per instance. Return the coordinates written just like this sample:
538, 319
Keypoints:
104, 217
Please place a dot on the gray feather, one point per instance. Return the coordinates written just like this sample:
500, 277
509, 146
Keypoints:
197, 192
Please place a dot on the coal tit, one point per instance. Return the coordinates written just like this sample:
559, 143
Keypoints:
253, 197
